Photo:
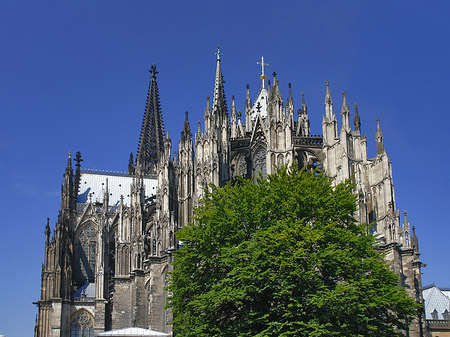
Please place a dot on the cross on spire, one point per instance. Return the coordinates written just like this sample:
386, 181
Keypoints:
263, 76
218, 54
153, 70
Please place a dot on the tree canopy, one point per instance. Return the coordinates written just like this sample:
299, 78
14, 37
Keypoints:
283, 257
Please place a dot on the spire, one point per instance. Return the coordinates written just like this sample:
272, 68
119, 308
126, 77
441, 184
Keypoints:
328, 101
76, 185
304, 106
47, 233
151, 142
290, 100
131, 164
219, 101
356, 120
379, 138
186, 133
345, 113
67, 185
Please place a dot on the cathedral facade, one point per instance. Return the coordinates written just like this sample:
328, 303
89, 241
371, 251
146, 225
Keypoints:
106, 263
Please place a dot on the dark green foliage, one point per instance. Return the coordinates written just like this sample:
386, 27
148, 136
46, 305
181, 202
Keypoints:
283, 257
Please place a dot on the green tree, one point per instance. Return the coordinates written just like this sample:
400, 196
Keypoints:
283, 257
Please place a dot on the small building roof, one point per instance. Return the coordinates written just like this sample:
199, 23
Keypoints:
435, 299
132, 332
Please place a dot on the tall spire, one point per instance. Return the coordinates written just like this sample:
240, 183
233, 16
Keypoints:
219, 102
151, 142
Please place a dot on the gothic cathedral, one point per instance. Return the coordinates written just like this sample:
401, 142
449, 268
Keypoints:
106, 263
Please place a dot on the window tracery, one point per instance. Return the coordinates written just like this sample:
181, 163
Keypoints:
82, 325
86, 245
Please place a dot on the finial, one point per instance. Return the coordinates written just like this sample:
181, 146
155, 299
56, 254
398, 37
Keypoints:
248, 87
232, 101
218, 54
186, 114
378, 124
303, 97
207, 102
239, 114
274, 74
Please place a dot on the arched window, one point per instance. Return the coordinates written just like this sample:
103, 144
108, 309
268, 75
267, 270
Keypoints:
82, 324
85, 252
259, 162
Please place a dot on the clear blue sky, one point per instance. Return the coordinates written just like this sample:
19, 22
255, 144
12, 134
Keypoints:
74, 76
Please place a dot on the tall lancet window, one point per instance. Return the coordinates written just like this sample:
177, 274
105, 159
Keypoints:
85, 252
259, 162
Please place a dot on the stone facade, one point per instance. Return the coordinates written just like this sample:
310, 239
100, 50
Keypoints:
106, 265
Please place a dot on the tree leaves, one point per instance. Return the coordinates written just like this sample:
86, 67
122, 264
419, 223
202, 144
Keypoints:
283, 257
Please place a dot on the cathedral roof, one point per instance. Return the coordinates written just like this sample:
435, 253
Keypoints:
131, 332
94, 184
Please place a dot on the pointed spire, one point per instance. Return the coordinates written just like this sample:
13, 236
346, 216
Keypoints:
151, 142
345, 113
77, 181
131, 164
186, 133
219, 102
328, 102
290, 99
356, 120
47, 233
304, 106
269, 89
69, 163
67, 185
379, 138
344, 102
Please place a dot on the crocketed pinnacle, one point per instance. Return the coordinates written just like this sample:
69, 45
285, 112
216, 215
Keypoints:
219, 105
328, 100
151, 142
